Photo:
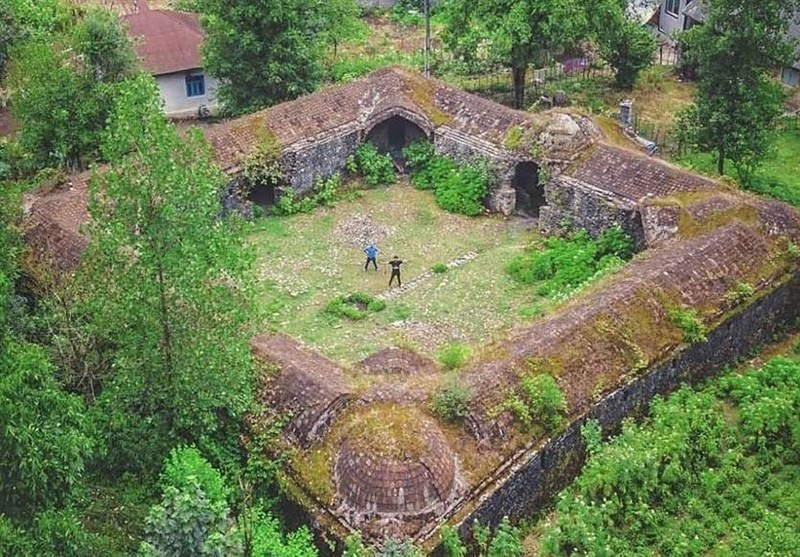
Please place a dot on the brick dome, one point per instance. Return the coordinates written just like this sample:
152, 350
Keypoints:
394, 465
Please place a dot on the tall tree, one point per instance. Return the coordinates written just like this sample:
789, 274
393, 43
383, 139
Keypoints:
517, 31
168, 283
625, 44
737, 100
268, 51
63, 86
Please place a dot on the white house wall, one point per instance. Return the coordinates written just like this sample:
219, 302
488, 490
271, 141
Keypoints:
176, 102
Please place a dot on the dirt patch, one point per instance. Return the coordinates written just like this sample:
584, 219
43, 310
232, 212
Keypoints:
429, 336
401, 361
361, 230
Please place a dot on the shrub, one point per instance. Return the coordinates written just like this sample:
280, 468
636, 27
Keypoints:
567, 263
740, 293
540, 400
376, 168
439, 268
185, 467
450, 401
452, 544
323, 193
454, 356
463, 191
687, 321
356, 306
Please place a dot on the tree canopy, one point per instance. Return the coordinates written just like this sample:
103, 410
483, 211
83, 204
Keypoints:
737, 101
516, 31
268, 51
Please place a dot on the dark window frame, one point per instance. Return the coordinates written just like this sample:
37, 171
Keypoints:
195, 85
675, 5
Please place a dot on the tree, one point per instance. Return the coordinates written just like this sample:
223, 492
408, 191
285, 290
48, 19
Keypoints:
63, 86
626, 45
22, 19
737, 101
268, 51
168, 284
517, 31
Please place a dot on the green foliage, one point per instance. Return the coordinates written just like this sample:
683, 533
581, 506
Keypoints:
539, 401
268, 51
452, 544
737, 103
689, 323
739, 293
708, 473
457, 190
42, 431
398, 548
63, 88
463, 191
268, 540
439, 268
355, 306
186, 467
567, 263
376, 168
323, 193
187, 524
514, 32
408, 13
626, 44
450, 401
168, 281
505, 541
454, 356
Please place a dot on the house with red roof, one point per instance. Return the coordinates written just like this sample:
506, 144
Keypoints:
168, 44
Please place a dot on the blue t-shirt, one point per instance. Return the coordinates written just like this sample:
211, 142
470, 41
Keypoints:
371, 251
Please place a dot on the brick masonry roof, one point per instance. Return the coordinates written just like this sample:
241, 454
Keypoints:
355, 104
635, 176
166, 41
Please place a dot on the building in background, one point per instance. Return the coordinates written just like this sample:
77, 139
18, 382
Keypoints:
168, 44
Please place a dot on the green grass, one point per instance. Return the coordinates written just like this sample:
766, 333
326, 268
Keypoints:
305, 261
778, 177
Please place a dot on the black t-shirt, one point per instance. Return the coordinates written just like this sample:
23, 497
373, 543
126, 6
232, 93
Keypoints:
395, 263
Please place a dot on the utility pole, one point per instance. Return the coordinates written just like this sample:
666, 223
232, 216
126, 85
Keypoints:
427, 37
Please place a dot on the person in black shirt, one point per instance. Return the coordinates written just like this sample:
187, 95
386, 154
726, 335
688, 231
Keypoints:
395, 264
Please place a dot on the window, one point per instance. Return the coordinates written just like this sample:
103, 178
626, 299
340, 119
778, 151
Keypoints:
790, 76
195, 86
672, 6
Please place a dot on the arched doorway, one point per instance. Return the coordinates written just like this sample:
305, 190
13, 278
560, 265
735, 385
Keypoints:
530, 194
262, 195
393, 134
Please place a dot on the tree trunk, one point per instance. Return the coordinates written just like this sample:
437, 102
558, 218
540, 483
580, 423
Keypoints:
721, 162
518, 71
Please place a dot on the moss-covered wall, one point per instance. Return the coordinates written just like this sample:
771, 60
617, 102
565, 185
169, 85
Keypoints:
538, 475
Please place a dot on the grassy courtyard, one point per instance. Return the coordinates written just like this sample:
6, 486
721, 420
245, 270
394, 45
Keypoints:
306, 260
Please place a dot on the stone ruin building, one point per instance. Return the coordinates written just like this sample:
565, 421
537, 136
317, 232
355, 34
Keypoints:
369, 455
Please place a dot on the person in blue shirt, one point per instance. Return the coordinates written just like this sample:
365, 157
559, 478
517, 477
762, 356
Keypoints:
372, 253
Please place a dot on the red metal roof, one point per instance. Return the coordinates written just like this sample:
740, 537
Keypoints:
166, 41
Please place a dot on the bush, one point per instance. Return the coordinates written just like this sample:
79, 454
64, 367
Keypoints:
376, 168
356, 306
687, 321
186, 467
323, 193
450, 401
567, 263
439, 268
463, 191
454, 356
539, 401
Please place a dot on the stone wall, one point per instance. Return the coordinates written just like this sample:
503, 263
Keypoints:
574, 205
536, 476
318, 159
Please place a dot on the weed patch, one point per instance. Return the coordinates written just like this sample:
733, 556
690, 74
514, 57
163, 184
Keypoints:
454, 356
356, 306
376, 168
450, 401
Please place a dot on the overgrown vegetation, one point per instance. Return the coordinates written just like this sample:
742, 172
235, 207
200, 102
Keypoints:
322, 194
689, 323
354, 306
567, 263
454, 356
538, 401
709, 472
376, 168
457, 189
450, 401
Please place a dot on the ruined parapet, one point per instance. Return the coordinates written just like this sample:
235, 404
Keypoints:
623, 329
307, 388
400, 361
393, 472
